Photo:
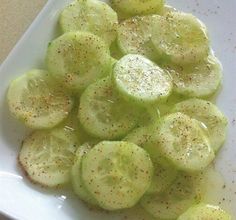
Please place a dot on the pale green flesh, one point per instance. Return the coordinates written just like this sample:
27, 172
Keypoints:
210, 117
38, 101
180, 38
47, 156
117, 174
77, 59
199, 80
134, 36
182, 141
182, 194
103, 113
140, 80
92, 16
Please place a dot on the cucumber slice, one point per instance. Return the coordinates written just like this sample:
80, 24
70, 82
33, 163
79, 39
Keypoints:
134, 36
205, 212
139, 136
47, 156
163, 177
180, 38
182, 141
117, 174
92, 16
209, 115
140, 80
35, 99
138, 7
182, 194
78, 59
76, 177
199, 80
104, 114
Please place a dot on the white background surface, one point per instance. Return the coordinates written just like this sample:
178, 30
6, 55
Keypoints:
24, 201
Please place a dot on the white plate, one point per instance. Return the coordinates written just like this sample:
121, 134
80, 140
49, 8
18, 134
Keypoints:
20, 199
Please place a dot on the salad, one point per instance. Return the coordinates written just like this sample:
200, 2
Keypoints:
123, 111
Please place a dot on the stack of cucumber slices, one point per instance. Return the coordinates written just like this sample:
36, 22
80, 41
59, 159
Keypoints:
97, 110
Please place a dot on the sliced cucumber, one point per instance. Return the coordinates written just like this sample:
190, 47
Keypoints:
134, 36
37, 100
78, 59
180, 38
139, 136
209, 115
103, 113
92, 16
117, 174
140, 80
163, 177
76, 177
205, 212
47, 156
199, 80
138, 7
182, 194
183, 142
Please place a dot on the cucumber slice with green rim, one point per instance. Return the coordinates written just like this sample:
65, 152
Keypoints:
92, 16
182, 194
183, 142
76, 177
138, 7
180, 38
78, 59
163, 176
134, 36
140, 80
199, 80
48, 155
205, 212
37, 100
211, 117
104, 114
117, 174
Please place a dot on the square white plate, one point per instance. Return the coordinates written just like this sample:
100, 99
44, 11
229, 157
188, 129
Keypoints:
20, 199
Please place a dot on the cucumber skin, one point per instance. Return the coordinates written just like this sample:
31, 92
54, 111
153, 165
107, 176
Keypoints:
126, 8
76, 177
